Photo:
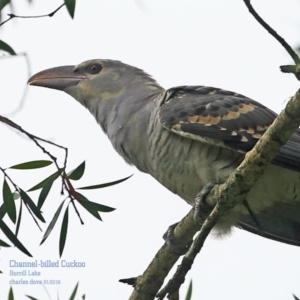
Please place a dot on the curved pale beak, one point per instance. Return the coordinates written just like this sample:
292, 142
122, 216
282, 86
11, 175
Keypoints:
58, 78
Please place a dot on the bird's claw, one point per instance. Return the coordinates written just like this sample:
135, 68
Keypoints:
200, 201
172, 242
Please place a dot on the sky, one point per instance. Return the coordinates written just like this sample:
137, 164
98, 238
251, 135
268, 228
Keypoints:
197, 42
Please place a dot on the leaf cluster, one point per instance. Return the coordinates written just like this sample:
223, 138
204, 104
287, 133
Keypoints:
12, 192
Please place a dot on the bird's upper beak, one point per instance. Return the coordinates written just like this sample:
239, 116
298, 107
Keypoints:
58, 78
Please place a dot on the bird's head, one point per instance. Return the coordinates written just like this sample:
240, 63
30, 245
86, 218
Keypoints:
95, 80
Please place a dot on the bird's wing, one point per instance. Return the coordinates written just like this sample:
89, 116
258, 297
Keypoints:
224, 119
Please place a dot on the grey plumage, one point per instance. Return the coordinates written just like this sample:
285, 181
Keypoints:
186, 137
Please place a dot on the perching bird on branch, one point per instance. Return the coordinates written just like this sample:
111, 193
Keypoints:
188, 136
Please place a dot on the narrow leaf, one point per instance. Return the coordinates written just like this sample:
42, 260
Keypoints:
32, 298
3, 244
43, 182
94, 205
52, 223
9, 234
103, 185
70, 4
2, 211
90, 209
5, 47
19, 218
11, 294
31, 205
72, 297
78, 172
44, 192
9, 202
189, 292
36, 164
63, 232
3, 3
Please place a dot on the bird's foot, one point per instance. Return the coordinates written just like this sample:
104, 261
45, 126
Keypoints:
200, 201
172, 242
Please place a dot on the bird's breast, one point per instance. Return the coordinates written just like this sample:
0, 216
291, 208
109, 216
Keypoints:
184, 165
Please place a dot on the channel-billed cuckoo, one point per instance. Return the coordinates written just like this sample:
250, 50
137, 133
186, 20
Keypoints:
188, 136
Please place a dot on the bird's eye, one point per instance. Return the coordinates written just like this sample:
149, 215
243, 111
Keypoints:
94, 68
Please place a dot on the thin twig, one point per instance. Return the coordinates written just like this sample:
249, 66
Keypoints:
66, 184
294, 69
281, 40
11, 16
8, 177
73, 196
31, 136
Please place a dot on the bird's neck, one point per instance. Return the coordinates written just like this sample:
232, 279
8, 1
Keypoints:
125, 121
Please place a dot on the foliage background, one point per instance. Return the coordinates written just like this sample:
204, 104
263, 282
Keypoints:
204, 42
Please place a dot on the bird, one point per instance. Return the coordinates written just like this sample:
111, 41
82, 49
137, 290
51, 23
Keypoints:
186, 137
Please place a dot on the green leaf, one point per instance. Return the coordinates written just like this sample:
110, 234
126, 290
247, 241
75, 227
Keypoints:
19, 218
63, 232
3, 3
72, 297
190, 291
11, 294
10, 235
3, 244
2, 211
93, 205
44, 192
32, 298
5, 47
52, 223
85, 203
31, 205
43, 182
9, 202
70, 4
77, 173
103, 185
36, 164
296, 298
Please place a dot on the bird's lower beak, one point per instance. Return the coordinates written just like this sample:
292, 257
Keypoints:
58, 78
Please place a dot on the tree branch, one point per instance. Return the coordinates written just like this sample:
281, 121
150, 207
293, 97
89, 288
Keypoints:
11, 16
294, 69
281, 40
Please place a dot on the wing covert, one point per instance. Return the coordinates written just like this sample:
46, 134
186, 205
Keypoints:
223, 118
